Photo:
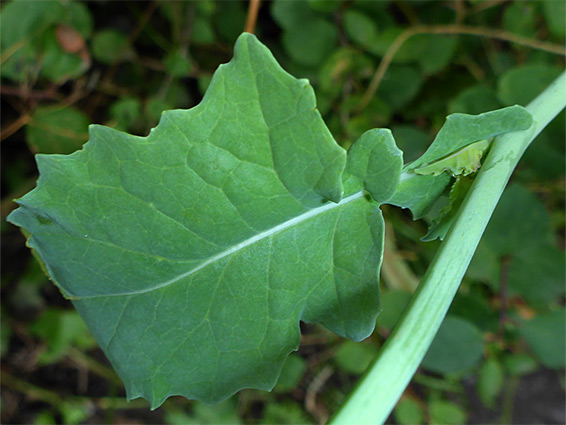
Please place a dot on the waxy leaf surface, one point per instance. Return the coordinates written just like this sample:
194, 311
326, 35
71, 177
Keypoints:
193, 253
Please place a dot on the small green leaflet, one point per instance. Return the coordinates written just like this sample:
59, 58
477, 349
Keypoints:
461, 130
193, 253
463, 162
456, 150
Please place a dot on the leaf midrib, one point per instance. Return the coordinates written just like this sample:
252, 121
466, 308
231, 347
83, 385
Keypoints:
256, 238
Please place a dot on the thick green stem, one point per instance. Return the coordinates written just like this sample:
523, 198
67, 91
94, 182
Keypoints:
378, 390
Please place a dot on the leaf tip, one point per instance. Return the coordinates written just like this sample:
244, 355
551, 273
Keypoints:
523, 116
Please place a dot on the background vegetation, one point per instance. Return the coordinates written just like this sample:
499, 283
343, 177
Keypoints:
500, 355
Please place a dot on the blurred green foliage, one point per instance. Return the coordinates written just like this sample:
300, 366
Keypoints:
65, 64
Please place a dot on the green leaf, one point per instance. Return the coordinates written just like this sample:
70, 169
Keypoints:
446, 413
546, 335
178, 64
520, 224
522, 84
436, 52
475, 309
21, 20
400, 85
474, 100
458, 345
355, 357
60, 329
441, 224
58, 65
193, 253
555, 15
126, 112
291, 373
408, 412
206, 8
230, 19
202, 31
520, 364
26, 296
394, 303
461, 130
538, 276
286, 413
311, 44
56, 130
485, 266
74, 412
308, 37
153, 108
325, 5
79, 17
28, 44
418, 193
377, 162
546, 158
44, 418
339, 67
414, 50
225, 413
443, 220
109, 46
521, 18
360, 28
290, 14
490, 382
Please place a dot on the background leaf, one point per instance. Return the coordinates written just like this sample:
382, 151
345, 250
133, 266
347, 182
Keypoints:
61, 130
545, 335
456, 347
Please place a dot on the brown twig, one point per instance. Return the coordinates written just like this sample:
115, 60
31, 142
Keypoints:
408, 11
252, 16
455, 30
313, 389
473, 68
20, 92
460, 8
484, 5
11, 50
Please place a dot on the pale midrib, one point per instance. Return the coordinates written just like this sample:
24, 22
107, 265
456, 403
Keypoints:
260, 236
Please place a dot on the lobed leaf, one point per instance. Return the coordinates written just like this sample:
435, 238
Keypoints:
193, 253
